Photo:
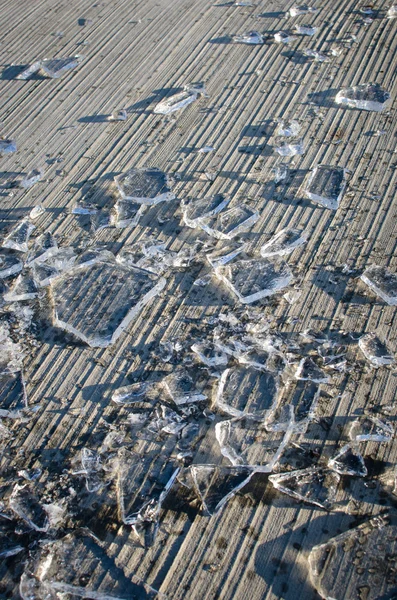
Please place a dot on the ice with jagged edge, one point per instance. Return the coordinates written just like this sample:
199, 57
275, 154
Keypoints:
252, 37
182, 388
136, 393
18, 237
348, 461
9, 264
145, 186
13, 397
190, 93
281, 173
288, 129
308, 371
118, 115
52, 264
326, 186
51, 67
282, 37
383, 282
97, 299
375, 350
225, 253
291, 148
302, 9
127, 213
24, 288
202, 208
283, 243
27, 507
7, 146
371, 429
230, 223
209, 354
367, 96
252, 280
303, 399
315, 485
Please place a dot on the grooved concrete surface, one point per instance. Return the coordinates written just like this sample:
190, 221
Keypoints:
136, 53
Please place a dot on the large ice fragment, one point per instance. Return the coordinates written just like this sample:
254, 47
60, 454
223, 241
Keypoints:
246, 392
145, 186
230, 223
18, 237
326, 186
359, 564
252, 280
196, 210
316, 56
178, 101
182, 388
308, 371
375, 350
367, 96
133, 394
282, 37
252, 37
305, 29
25, 504
128, 213
97, 301
9, 265
51, 67
314, 485
283, 243
371, 429
348, 461
383, 282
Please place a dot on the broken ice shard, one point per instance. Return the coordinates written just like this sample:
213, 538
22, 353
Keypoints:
118, 115
48, 267
7, 146
283, 243
314, 485
371, 429
97, 301
77, 566
181, 100
392, 12
295, 148
36, 212
24, 504
308, 371
246, 442
24, 288
9, 265
288, 129
230, 223
281, 173
359, 564
367, 96
383, 282
348, 461
209, 354
317, 56
303, 9
252, 280
145, 186
132, 394
246, 392
303, 398
31, 178
202, 208
375, 350
19, 236
51, 67
182, 388
128, 213
326, 185
216, 485
305, 29
225, 253
252, 37
282, 37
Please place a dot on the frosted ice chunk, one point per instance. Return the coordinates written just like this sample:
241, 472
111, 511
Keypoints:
24, 288
317, 56
26, 506
308, 371
36, 212
145, 186
252, 37
9, 265
367, 96
358, 564
128, 213
314, 485
371, 429
118, 115
383, 282
208, 353
7, 146
326, 186
295, 148
178, 101
246, 392
303, 398
216, 485
281, 173
182, 388
375, 350
245, 442
230, 223
19, 236
202, 208
305, 29
302, 9
288, 129
252, 280
348, 461
392, 12
225, 253
90, 465
282, 37
31, 178
283, 243
96, 302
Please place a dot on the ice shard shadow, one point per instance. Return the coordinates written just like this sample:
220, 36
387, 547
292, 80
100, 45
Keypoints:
94, 119
221, 40
265, 128
157, 96
325, 98
11, 72
296, 57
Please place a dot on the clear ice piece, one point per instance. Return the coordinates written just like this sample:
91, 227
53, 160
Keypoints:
305, 29
145, 186
225, 253
128, 213
252, 37
282, 37
246, 392
367, 96
182, 388
371, 429
7, 146
118, 115
308, 371
230, 223
383, 282
375, 350
206, 149
302, 9
24, 504
76, 566
392, 12
13, 397
31, 178
292, 148
52, 264
326, 186
18, 238
288, 129
30, 70
252, 280
283, 243
358, 564
96, 302
314, 485
209, 354
216, 485
246, 442
132, 394
178, 101
24, 288
90, 465
281, 173
317, 56
196, 210
348, 461
56, 67
36, 212
303, 398
9, 265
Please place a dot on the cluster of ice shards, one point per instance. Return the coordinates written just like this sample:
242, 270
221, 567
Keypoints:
190, 93
366, 96
51, 67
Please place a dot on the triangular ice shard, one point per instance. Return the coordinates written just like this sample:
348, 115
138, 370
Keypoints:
216, 485
144, 186
313, 485
348, 461
371, 429
283, 243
